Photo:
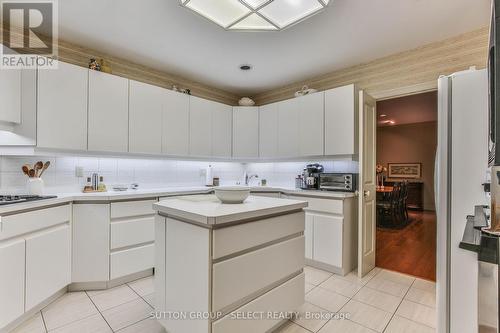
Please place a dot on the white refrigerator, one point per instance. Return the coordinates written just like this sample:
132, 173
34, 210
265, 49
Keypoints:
461, 168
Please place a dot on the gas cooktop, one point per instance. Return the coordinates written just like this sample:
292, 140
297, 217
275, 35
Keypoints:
12, 199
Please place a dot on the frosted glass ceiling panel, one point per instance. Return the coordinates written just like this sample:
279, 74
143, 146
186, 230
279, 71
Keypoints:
222, 12
253, 22
255, 3
285, 12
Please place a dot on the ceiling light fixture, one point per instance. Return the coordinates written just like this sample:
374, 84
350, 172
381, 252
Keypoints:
246, 67
256, 15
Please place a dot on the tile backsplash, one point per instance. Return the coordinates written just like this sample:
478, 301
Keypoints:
150, 173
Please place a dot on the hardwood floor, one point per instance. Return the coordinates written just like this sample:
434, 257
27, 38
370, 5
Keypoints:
411, 250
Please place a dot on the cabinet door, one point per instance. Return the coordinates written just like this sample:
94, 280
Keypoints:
108, 112
288, 128
311, 120
175, 131
327, 237
62, 107
246, 132
48, 264
145, 112
11, 281
341, 121
222, 130
200, 127
309, 234
10, 95
268, 131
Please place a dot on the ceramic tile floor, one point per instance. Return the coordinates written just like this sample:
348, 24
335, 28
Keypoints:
383, 301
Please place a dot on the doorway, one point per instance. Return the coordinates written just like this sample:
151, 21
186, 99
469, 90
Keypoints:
406, 217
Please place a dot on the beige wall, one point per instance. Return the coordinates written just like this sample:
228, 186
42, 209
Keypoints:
412, 143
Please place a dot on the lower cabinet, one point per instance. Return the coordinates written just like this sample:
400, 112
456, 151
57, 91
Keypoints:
48, 264
309, 234
327, 235
12, 265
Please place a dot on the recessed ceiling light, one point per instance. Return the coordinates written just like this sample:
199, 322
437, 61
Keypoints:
246, 67
257, 15
382, 115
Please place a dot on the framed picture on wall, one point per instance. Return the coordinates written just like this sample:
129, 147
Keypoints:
405, 170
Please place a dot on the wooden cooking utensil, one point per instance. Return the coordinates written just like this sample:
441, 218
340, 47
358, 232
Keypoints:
38, 166
26, 169
45, 167
32, 173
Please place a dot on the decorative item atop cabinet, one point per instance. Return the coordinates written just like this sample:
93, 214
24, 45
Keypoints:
94, 65
181, 90
305, 91
246, 101
105, 66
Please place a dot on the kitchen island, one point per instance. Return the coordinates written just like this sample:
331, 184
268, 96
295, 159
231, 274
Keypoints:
228, 267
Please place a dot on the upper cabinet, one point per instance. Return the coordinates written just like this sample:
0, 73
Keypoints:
200, 127
341, 125
246, 132
108, 112
62, 107
288, 128
311, 124
222, 129
175, 129
10, 95
210, 128
145, 123
268, 130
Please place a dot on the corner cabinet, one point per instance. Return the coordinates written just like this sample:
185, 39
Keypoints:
341, 121
210, 128
62, 107
246, 132
108, 113
145, 123
175, 124
268, 130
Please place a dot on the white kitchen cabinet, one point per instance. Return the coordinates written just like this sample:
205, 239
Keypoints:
62, 107
175, 129
145, 123
90, 243
11, 281
48, 264
309, 234
268, 130
288, 128
327, 235
108, 112
200, 127
10, 95
245, 132
311, 120
341, 121
222, 130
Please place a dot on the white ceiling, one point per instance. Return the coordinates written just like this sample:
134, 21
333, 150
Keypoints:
163, 35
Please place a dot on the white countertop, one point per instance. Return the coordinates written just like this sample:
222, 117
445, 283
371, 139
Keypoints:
156, 192
207, 209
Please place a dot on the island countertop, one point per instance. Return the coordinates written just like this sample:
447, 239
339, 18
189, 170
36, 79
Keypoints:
208, 210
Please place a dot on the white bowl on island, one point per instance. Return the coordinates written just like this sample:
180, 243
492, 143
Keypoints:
232, 194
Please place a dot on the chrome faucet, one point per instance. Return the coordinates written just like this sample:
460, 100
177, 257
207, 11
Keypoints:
248, 178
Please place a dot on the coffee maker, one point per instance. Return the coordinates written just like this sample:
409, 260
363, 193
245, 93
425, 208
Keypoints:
310, 176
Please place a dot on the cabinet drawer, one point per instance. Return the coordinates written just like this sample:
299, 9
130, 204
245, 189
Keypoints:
19, 224
132, 232
285, 298
132, 208
244, 236
239, 277
131, 261
332, 206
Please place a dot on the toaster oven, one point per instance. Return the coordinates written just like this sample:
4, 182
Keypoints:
345, 182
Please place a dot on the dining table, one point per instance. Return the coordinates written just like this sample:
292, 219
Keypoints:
383, 193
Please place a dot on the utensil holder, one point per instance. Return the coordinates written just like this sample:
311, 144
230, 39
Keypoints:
35, 186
